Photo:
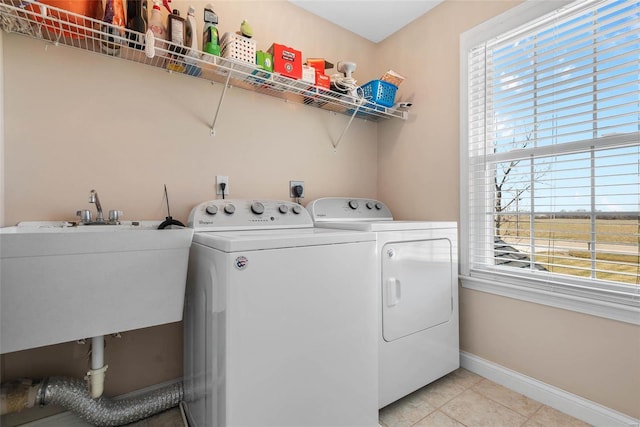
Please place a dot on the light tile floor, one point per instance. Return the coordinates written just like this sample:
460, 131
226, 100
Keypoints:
463, 398
460, 399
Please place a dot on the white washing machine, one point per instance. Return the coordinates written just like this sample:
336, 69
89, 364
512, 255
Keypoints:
280, 320
416, 265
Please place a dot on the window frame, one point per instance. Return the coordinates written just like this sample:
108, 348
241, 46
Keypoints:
526, 286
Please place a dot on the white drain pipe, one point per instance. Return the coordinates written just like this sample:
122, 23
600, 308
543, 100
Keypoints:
96, 375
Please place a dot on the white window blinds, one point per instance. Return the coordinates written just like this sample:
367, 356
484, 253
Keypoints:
553, 161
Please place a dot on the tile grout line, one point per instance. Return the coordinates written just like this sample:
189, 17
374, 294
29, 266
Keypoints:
504, 406
528, 417
437, 408
542, 405
472, 388
465, 388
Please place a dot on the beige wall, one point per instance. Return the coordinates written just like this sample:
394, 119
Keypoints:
76, 121
589, 356
418, 176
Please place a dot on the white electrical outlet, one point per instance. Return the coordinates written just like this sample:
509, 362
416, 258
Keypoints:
292, 186
219, 180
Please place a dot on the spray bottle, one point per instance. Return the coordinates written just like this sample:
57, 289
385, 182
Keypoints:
192, 42
210, 38
156, 31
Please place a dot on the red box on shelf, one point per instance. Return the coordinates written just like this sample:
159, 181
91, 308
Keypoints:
323, 81
317, 63
286, 61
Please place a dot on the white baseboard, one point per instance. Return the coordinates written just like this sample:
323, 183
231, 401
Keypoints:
571, 404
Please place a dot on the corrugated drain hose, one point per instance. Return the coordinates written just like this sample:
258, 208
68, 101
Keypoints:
72, 394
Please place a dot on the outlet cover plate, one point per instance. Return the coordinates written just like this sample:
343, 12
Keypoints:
293, 184
220, 179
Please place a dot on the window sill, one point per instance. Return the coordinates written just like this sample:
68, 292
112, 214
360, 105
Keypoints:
607, 310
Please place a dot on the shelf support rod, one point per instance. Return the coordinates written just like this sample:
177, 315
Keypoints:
224, 92
335, 144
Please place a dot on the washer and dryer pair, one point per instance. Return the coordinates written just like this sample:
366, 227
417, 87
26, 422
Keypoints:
416, 265
291, 324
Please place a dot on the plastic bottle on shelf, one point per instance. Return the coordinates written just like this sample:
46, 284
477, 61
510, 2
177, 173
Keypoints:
176, 30
192, 42
114, 19
210, 38
191, 35
136, 22
156, 31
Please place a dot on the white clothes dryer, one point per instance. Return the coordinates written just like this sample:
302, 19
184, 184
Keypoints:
416, 265
280, 320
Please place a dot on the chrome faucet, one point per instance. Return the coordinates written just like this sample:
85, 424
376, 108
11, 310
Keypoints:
93, 198
85, 214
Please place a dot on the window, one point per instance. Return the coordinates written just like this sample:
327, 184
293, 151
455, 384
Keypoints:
550, 156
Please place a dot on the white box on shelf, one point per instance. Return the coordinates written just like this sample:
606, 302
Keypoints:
308, 74
235, 46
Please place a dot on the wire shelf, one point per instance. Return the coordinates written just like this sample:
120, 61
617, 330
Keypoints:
61, 27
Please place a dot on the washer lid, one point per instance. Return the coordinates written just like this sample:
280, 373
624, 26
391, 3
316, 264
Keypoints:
388, 225
250, 240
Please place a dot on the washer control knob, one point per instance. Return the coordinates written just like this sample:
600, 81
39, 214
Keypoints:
296, 209
378, 206
211, 209
391, 253
369, 205
283, 209
229, 209
257, 208
353, 204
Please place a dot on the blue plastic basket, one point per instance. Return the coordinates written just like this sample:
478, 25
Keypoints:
380, 92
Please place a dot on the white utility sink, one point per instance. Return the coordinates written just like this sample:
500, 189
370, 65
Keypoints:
61, 282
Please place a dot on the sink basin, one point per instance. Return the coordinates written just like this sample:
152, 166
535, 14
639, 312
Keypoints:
61, 282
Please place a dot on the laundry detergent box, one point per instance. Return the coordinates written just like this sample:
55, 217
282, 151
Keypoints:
320, 64
286, 61
264, 60
323, 81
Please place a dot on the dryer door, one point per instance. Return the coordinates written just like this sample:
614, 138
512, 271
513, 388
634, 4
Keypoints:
417, 286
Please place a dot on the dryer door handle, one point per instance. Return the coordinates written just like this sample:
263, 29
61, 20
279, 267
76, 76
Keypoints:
393, 291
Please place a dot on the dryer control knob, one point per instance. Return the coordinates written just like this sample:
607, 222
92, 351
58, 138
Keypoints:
211, 209
229, 209
353, 204
283, 209
378, 206
257, 208
369, 205
296, 209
